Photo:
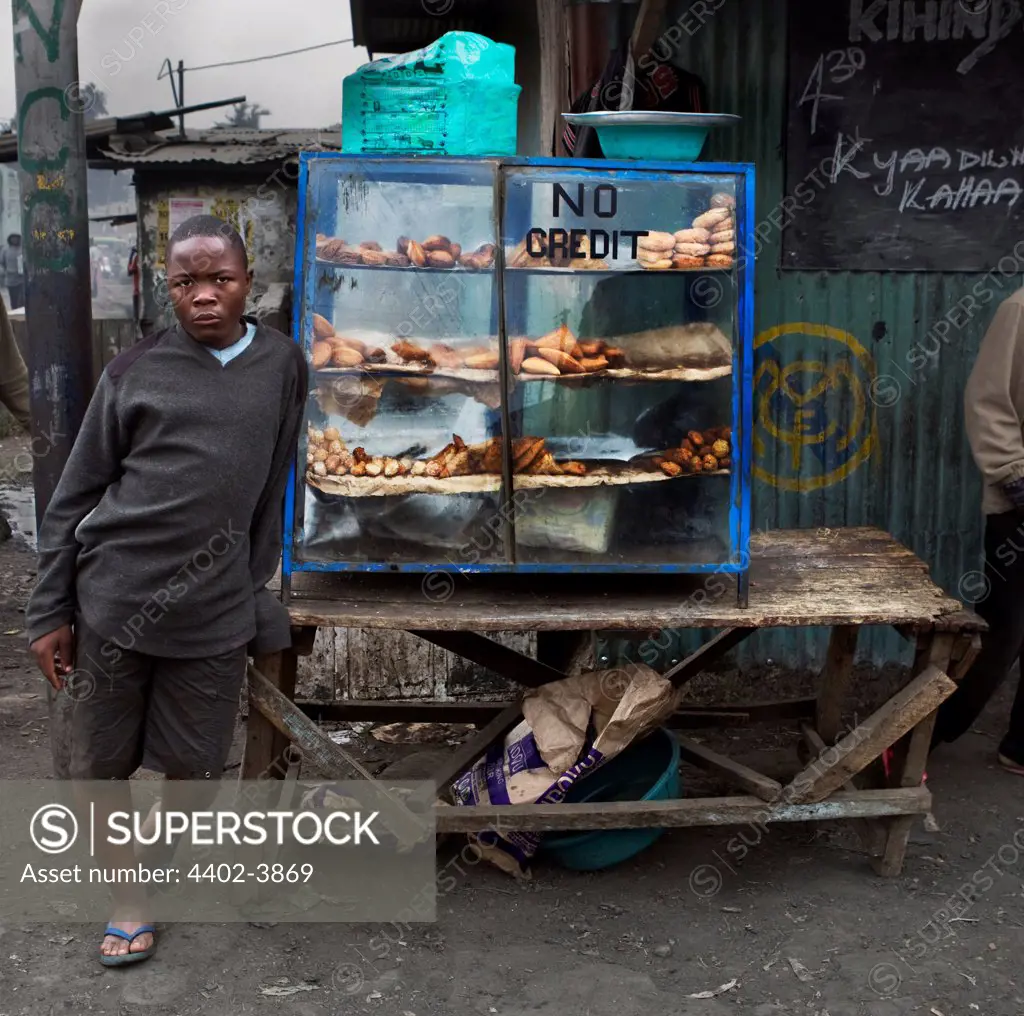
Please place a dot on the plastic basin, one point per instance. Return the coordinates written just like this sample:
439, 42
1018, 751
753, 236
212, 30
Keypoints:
645, 771
654, 142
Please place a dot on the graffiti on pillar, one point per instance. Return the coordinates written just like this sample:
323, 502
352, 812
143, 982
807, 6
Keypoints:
47, 209
50, 38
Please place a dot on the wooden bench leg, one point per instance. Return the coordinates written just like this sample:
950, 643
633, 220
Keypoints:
835, 681
265, 745
911, 756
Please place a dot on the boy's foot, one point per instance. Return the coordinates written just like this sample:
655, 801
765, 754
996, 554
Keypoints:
133, 942
1010, 766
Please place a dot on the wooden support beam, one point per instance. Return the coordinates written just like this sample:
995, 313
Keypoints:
866, 742
736, 773
835, 680
678, 813
485, 652
966, 651
554, 74
265, 745
712, 651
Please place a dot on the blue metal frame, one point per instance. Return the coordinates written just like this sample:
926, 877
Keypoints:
743, 367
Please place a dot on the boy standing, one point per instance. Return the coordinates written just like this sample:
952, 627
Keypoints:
12, 270
994, 413
160, 539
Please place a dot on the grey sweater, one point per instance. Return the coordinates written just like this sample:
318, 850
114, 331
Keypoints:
166, 525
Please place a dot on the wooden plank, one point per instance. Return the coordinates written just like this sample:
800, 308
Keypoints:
467, 753
735, 773
493, 655
554, 86
935, 650
835, 680
802, 583
712, 651
679, 813
866, 742
968, 650
302, 641
265, 745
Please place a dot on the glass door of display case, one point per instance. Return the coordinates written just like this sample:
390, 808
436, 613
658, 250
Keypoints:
625, 301
401, 457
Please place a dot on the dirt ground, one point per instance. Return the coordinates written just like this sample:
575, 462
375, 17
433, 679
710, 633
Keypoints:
788, 921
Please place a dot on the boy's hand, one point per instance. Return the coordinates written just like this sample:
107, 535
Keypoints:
55, 655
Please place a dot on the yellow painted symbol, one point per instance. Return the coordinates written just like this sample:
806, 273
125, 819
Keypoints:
814, 421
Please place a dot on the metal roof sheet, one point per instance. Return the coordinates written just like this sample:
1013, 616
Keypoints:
222, 145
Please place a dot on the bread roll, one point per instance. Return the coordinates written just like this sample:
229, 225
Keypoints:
322, 328
723, 248
656, 241
711, 218
696, 235
687, 261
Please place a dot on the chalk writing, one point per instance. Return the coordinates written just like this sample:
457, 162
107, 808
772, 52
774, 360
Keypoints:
842, 64
936, 21
50, 38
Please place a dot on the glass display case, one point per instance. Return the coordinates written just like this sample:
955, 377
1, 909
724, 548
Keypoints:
523, 365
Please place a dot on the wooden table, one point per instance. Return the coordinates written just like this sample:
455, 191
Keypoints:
844, 579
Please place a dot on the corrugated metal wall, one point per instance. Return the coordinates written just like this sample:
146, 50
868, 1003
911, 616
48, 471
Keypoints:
856, 425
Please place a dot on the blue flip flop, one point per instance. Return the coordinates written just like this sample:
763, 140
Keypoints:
129, 957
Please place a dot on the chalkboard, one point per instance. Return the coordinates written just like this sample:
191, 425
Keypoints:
905, 138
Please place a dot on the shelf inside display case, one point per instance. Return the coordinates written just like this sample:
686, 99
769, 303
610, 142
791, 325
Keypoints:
422, 270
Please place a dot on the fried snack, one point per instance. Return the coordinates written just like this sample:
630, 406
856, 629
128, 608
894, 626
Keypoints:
723, 248
670, 468
711, 218
440, 259
348, 343
723, 226
410, 351
572, 468
375, 355
477, 262
320, 454
720, 261
434, 469
720, 449
525, 450
436, 242
348, 256
656, 241
358, 469
538, 365
419, 468
322, 352
370, 245
561, 338
394, 259
592, 363
710, 463
331, 434
322, 328
484, 361
725, 463
726, 236
686, 261
335, 447
594, 347
696, 464
657, 266
444, 356
319, 468
563, 361
416, 254
333, 464
726, 433
374, 257
342, 356
693, 250
696, 438
455, 250
374, 467
695, 235
653, 255
391, 468
616, 357
315, 436
402, 245
516, 354
723, 201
